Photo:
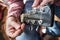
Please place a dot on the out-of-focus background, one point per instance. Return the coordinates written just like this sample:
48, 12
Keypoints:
3, 13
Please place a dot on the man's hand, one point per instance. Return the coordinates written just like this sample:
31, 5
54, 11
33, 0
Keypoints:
13, 27
14, 11
41, 3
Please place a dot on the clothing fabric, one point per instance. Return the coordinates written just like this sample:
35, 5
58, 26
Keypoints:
55, 29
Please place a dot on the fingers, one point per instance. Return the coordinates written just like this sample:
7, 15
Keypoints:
41, 3
11, 29
15, 25
36, 3
22, 26
1, 3
15, 34
12, 32
18, 32
14, 28
13, 22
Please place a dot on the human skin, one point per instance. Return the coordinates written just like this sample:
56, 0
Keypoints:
13, 25
39, 3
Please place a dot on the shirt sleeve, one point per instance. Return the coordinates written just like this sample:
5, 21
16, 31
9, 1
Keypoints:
15, 8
